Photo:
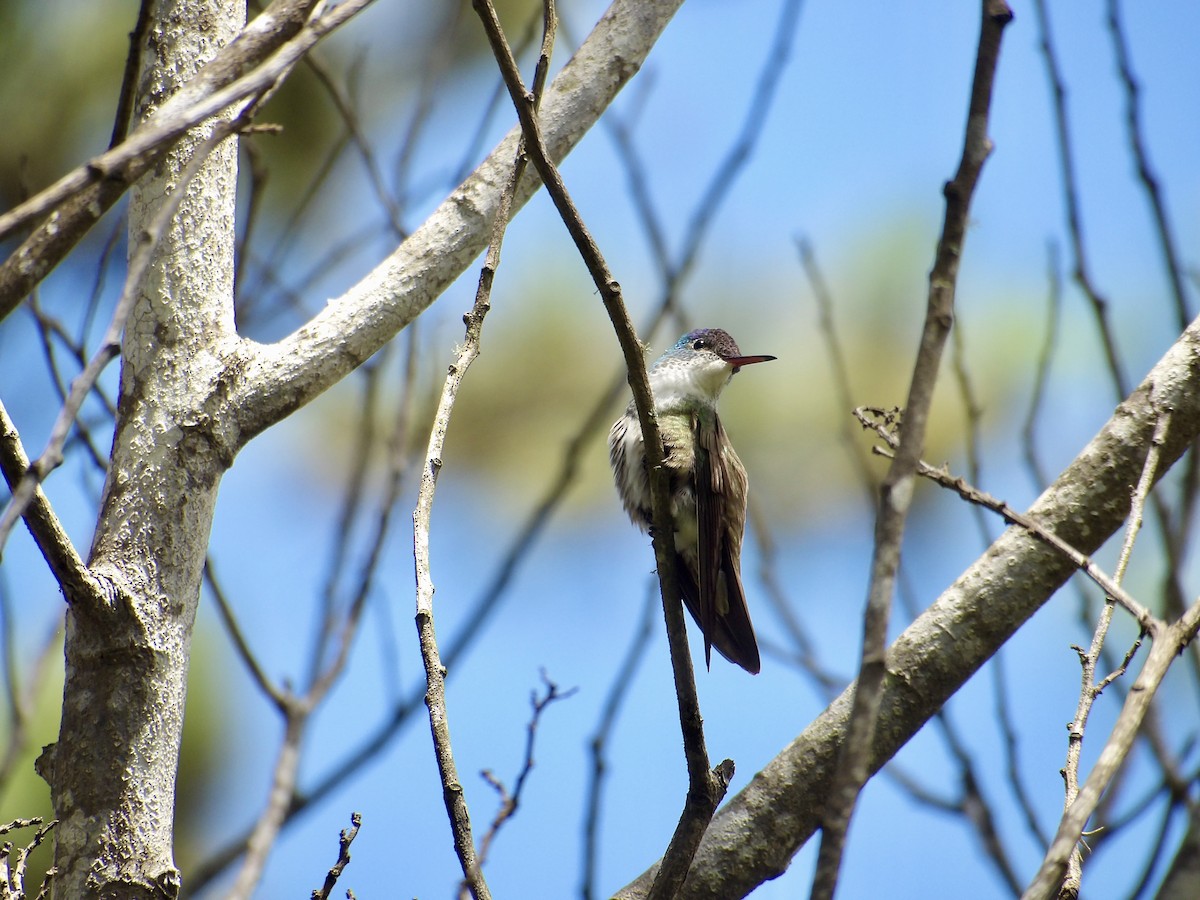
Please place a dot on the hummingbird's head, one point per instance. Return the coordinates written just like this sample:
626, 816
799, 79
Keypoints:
698, 367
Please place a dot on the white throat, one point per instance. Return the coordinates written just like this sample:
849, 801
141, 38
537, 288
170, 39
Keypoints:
676, 384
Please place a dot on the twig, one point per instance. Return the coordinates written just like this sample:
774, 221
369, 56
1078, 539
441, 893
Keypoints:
187, 109
706, 787
345, 839
12, 877
1149, 625
972, 494
277, 696
971, 804
771, 73
1175, 533
838, 365
124, 114
509, 802
1004, 719
110, 345
617, 693
1041, 377
81, 197
297, 711
435, 673
897, 489
1090, 689
675, 270
348, 511
1071, 201
1133, 123
47, 532
1168, 642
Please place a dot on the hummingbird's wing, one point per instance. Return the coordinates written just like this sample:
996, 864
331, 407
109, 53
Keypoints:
709, 499
719, 604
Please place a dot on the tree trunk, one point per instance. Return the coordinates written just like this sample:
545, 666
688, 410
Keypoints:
112, 772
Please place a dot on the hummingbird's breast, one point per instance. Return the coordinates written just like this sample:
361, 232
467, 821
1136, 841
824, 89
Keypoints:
627, 454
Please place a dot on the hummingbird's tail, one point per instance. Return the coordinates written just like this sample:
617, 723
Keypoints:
724, 619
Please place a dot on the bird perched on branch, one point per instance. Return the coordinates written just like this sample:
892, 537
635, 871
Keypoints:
706, 483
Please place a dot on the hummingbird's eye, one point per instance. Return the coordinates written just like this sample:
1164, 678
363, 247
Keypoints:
699, 344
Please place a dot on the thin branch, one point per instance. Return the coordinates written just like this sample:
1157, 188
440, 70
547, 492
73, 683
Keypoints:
510, 802
1008, 730
276, 695
758, 832
772, 71
1133, 123
12, 877
435, 672
476, 619
705, 787
1175, 534
110, 345
47, 532
345, 839
838, 364
352, 499
125, 100
403, 284
1168, 642
1090, 689
897, 489
1042, 376
617, 694
973, 495
1082, 274
81, 197
297, 711
283, 784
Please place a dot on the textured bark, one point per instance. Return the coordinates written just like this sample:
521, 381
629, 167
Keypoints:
192, 394
755, 835
112, 772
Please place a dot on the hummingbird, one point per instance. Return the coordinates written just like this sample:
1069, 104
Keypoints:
707, 485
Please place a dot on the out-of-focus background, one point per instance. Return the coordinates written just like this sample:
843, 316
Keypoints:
846, 154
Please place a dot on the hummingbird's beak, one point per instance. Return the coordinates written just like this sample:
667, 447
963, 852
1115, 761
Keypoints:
738, 361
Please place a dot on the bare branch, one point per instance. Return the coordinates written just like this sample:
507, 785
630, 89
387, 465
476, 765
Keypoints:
1040, 379
110, 345
435, 672
283, 783
617, 693
47, 532
974, 495
81, 197
1133, 123
897, 488
1168, 642
1082, 272
510, 802
345, 839
758, 831
1090, 689
349, 329
706, 787
278, 697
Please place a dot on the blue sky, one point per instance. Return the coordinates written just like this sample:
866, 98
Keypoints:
866, 128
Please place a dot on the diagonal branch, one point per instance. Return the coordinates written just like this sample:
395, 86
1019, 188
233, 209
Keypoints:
435, 671
756, 834
80, 198
350, 328
141, 256
897, 488
49, 535
1168, 644
705, 787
